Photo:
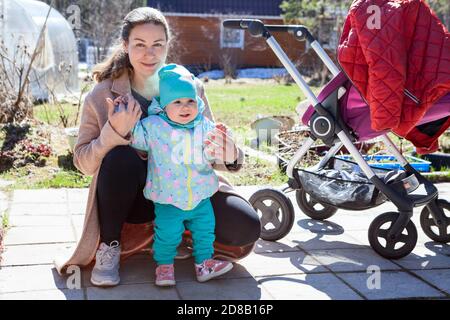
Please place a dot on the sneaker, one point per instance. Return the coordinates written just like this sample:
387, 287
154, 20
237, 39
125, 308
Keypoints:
106, 269
211, 268
165, 275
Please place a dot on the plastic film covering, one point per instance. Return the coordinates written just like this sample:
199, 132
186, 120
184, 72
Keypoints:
342, 184
56, 67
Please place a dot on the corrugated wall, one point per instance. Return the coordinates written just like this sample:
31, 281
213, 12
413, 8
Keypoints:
197, 42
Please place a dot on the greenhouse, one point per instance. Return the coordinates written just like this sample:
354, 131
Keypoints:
55, 69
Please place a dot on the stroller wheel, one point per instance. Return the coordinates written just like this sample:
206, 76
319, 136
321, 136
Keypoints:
430, 228
312, 208
387, 247
275, 211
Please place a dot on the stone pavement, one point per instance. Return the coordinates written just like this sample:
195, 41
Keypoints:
316, 260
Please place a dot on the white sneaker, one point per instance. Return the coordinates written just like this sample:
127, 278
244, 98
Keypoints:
106, 269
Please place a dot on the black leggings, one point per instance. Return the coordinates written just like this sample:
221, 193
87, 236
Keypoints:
121, 181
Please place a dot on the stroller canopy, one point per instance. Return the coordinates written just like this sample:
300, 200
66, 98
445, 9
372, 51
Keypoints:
401, 66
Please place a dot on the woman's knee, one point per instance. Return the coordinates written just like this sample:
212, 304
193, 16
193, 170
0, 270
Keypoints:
119, 157
122, 166
237, 223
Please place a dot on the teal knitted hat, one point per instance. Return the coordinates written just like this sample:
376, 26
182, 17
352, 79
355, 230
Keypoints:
175, 82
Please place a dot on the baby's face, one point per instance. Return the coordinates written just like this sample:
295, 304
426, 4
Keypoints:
182, 110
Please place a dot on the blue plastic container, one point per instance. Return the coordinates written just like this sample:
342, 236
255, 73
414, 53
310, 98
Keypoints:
377, 161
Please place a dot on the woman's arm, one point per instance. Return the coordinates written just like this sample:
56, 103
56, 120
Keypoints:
94, 142
230, 167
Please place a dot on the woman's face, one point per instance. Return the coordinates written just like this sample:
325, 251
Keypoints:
147, 48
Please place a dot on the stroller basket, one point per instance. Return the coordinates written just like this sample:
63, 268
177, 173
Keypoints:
342, 184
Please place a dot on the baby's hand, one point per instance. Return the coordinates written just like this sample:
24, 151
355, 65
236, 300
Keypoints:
120, 103
222, 127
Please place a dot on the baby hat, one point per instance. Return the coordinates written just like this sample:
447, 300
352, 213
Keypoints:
175, 82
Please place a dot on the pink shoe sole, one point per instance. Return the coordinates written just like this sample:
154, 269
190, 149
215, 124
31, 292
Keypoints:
165, 283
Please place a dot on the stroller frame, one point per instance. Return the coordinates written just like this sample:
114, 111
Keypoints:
327, 125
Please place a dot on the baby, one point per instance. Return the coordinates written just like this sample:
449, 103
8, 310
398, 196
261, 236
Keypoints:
180, 178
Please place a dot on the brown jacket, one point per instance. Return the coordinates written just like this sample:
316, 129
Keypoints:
96, 138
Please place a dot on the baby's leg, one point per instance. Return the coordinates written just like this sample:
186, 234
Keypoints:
202, 224
169, 228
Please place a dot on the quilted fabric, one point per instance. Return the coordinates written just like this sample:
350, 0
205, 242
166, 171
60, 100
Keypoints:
410, 51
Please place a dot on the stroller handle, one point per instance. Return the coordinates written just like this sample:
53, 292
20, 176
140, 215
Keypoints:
257, 28
238, 23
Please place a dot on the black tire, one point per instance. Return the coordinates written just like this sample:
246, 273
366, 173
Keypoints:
388, 250
306, 204
280, 213
427, 222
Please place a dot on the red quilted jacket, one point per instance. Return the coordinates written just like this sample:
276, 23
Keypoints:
401, 67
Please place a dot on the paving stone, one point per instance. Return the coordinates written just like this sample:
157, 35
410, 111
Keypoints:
223, 289
341, 260
3, 202
65, 294
147, 291
282, 245
42, 221
32, 254
39, 235
77, 195
424, 258
316, 227
438, 277
77, 208
40, 196
30, 278
323, 286
39, 209
281, 263
312, 241
438, 248
280, 270
77, 220
392, 285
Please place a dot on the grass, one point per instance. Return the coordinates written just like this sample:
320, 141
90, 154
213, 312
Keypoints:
53, 115
236, 104
257, 172
5, 221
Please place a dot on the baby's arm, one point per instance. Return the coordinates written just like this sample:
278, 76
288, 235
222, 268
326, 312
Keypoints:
140, 136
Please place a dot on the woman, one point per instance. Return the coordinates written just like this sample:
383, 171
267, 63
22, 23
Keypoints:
118, 217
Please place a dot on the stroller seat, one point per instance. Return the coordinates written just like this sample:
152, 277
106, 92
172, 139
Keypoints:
355, 111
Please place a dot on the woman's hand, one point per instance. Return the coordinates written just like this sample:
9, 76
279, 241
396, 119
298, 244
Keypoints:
124, 117
220, 145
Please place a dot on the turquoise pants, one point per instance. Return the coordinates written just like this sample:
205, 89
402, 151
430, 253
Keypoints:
170, 224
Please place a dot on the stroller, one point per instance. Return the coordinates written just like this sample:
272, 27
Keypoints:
339, 117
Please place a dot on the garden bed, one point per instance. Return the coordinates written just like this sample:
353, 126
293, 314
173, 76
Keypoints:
37, 155
290, 141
